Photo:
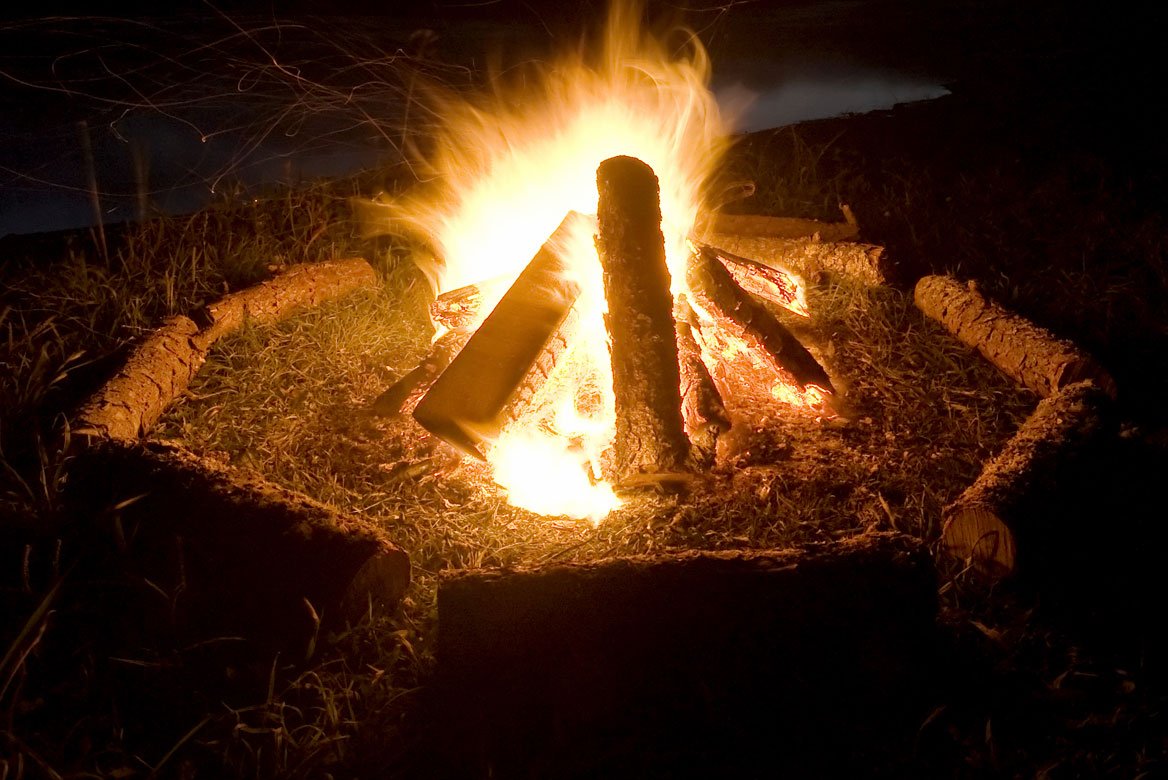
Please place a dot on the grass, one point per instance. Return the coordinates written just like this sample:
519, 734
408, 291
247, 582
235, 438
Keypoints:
84, 693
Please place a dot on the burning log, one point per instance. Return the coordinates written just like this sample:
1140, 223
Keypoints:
536, 665
478, 392
716, 292
157, 371
242, 555
403, 396
299, 286
650, 433
999, 518
1027, 353
863, 263
701, 403
777, 285
459, 308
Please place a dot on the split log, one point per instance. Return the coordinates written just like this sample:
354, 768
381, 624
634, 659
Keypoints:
650, 433
460, 308
862, 263
240, 555
716, 292
702, 407
777, 285
1000, 518
1025, 352
299, 286
472, 399
157, 371
621, 664
403, 396
783, 227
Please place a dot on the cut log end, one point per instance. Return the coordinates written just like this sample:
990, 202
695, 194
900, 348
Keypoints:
978, 536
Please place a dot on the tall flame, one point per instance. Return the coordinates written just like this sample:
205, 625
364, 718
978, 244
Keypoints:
511, 163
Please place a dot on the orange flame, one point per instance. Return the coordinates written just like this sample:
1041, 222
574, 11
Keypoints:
509, 166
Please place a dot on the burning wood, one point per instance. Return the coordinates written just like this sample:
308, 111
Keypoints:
460, 308
775, 284
403, 396
650, 434
701, 403
810, 257
719, 296
1025, 352
473, 398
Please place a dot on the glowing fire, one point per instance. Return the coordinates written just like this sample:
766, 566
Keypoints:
510, 165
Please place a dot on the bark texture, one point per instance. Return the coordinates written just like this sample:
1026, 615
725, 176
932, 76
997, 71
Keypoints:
701, 404
241, 555
650, 434
698, 658
300, 286
809, 257
1025, 352
157, 371
716, 292
1013, 507
473, 398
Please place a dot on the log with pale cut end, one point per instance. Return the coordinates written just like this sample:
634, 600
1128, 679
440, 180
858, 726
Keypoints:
471, 401
297, 287
863, 263
1006, 515
650, 433
715, 291
157, 371
700, 658
701, 404
240, 555
403, 395
1025, 352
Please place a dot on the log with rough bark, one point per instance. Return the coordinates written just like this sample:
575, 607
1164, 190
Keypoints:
157, 371
240, 555
475, 396
782, 227
1024, 351
809, 258
701, 404
297, 287
699, 658
161, 367
716, 292
650, 433
1005, 515
777, 285
403, 395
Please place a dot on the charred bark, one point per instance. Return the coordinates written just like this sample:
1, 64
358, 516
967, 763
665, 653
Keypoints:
701, 404
1025, 352
777, 285
650, 433
240, 554
809, 257
717, 293
457, 308
999, 519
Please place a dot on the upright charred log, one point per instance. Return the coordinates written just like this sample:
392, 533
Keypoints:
650, 433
